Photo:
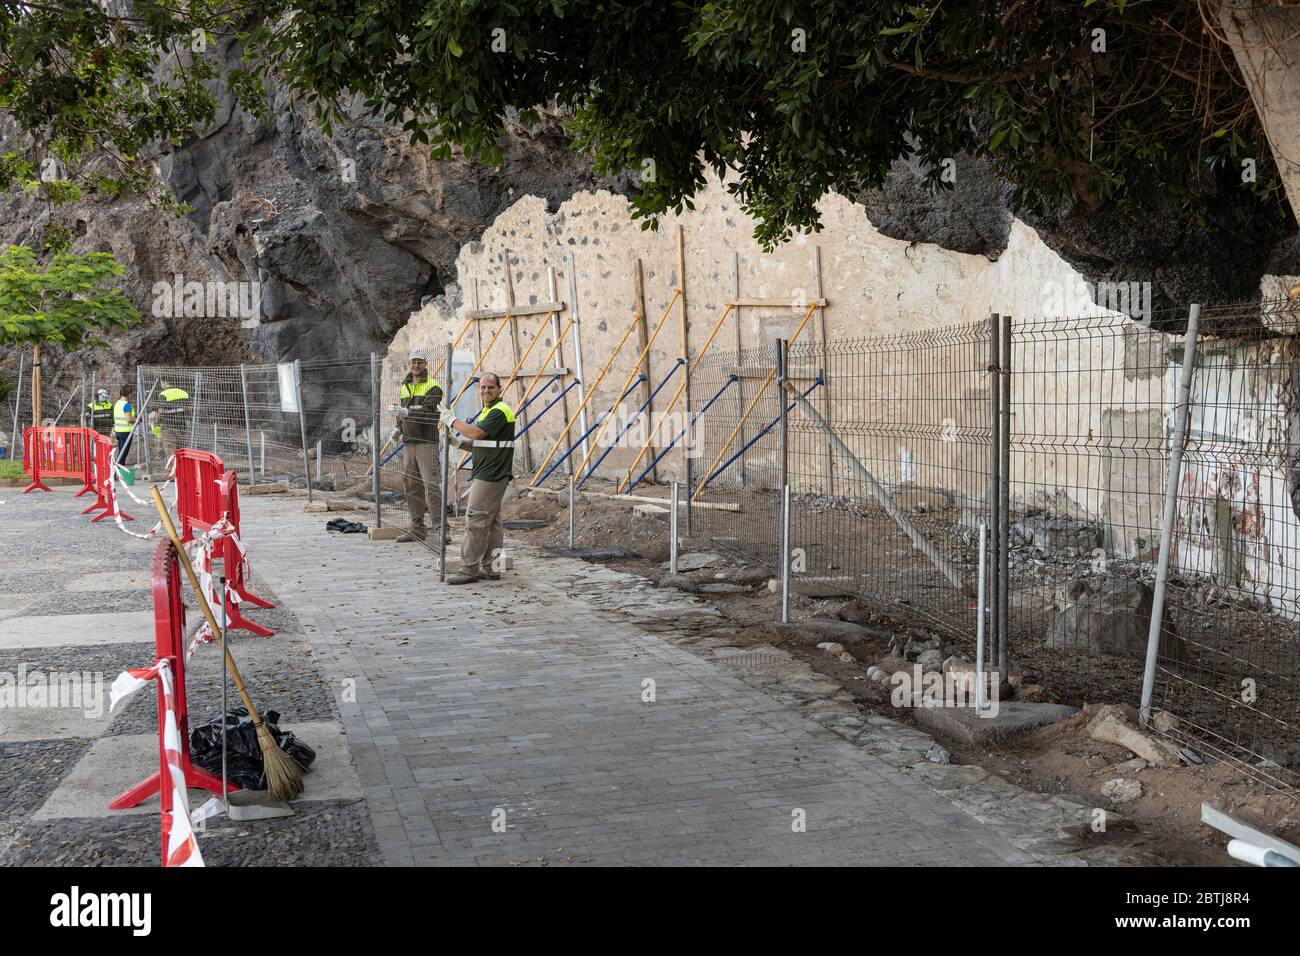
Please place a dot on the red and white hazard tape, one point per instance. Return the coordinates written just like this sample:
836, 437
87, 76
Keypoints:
115, 477
201, 559
180, 846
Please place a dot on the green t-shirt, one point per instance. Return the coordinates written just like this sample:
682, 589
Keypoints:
493, 464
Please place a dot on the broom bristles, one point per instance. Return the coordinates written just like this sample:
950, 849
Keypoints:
283, 774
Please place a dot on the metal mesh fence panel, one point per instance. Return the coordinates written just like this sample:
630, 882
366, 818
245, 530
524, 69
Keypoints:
1092, 407
249, 415
892, 515
1229, 665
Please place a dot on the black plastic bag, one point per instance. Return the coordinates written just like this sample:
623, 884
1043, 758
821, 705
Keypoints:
243, 755
345, 526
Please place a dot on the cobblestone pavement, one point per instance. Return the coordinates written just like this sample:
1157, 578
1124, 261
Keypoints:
572, 714
75, 599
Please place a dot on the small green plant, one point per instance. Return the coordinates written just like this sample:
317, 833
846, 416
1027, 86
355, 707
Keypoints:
11, 469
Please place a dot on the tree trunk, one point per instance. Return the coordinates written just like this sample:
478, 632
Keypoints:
1266, 42
36, 385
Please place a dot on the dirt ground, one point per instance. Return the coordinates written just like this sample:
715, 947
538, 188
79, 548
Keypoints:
1061, 759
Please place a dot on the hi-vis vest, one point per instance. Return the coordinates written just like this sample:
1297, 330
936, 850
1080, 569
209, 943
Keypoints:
418, 389
506, 409
121, 419
506, 441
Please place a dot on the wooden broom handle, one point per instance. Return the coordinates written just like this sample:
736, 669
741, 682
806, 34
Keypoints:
203, 600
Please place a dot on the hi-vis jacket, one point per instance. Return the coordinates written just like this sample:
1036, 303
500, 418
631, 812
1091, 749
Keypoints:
423, 399
122, 416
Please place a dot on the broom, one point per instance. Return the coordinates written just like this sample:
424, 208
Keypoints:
283, 775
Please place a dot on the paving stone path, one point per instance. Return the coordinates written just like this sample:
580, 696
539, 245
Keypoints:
569, 714
572, 714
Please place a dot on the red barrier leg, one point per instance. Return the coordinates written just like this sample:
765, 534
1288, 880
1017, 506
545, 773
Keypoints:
250, 597
146, 788
36, 485
238, 621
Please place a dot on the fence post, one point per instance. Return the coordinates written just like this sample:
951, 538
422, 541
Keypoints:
686, 373
577, 353
1173, 477
785, 550
302, 424
261, 460
94, 396
18, 404
981, 598
194, 408
248, 425
141, 418
444, 478
374, 431
1003, 557
672, 531
573, 486
83, 401
782, 378
995, 470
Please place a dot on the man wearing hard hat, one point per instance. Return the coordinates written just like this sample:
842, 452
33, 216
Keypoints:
418, 419
101, 412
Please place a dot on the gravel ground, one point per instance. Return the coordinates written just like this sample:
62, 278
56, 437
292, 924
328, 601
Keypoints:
91, 602
51, 545
325, 833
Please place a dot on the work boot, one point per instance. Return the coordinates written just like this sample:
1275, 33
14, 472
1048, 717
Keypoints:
411, 534
462, 577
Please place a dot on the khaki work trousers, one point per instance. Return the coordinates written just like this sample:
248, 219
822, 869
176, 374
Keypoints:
484, 532
421, 481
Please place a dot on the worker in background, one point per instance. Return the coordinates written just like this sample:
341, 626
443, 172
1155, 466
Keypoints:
168, 423
101, 412
491, 436
418, 419
123, 423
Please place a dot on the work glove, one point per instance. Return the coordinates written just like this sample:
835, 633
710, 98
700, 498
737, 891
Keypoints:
444, 411
401, 412
394, 434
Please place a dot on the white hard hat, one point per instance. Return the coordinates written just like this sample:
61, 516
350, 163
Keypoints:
103, 394
419, 354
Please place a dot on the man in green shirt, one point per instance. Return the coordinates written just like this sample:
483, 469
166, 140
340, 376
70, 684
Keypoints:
491, 436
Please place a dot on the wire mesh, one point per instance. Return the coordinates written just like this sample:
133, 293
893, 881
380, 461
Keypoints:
892, 515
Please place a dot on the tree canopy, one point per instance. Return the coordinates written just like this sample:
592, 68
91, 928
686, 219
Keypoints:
63, 302
1072, 100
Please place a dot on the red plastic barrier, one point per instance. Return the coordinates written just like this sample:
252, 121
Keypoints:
57, 452
231, 555
204, 495
103, 463
169, 641
198, 497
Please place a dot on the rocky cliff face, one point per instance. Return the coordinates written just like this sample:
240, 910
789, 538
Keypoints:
347, 234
